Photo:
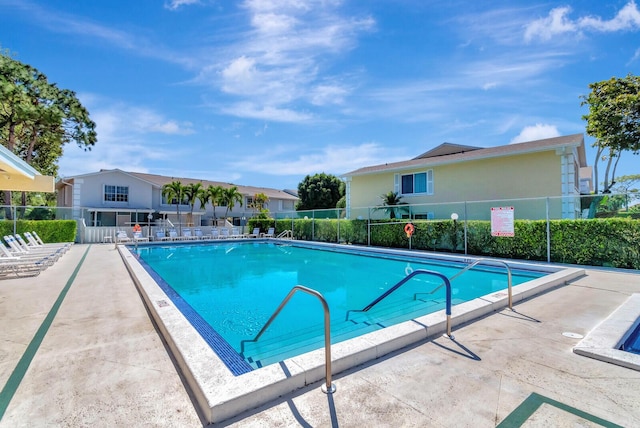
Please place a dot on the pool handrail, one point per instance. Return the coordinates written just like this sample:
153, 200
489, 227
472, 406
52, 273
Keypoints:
404, 280
471, 266
285, 234
328, 387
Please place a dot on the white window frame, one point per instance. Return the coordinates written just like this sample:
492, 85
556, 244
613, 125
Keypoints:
398, 179
117, 190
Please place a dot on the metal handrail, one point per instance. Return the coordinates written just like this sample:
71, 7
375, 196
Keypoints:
286, 234
328, 387
471, 266
404, 280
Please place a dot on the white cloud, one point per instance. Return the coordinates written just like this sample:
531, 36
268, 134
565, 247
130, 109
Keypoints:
627, 18
538, 131
333, 159
176, 4
555, 23
125, 136
281, 59
262, 112
558, 22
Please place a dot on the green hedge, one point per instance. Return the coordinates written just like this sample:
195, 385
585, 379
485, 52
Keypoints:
48, 230
611, 242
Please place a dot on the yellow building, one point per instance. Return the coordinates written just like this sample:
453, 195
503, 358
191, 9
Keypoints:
540, 176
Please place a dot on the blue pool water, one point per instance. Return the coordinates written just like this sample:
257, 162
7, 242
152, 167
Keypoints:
229, 290
632, 344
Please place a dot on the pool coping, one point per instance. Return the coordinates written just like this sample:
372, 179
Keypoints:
220, 395
604, 341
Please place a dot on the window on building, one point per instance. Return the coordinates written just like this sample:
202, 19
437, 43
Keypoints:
421, 182
173, 201
288, 205
116, 193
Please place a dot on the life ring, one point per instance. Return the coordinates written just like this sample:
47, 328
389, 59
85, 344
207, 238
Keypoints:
408, 229
137, 228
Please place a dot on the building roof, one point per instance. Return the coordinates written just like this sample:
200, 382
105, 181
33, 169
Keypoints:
452, 153
446, 149
160, 180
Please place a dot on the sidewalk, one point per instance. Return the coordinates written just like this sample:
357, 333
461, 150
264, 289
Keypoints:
101, 363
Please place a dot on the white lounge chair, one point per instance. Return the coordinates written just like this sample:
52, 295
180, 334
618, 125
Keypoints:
16, 253
235, 233
255, 233
199, 235
138, 237
186, 234
19, 266
161, 236
20, 248
121, 236
215, 233
173, 235
36, 243
61, 244
270, 233
224, 233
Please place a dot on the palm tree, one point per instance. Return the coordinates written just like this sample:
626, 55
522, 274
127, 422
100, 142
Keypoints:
174, 192
229, 198
214, 195
391, 203
258, 202
192, 194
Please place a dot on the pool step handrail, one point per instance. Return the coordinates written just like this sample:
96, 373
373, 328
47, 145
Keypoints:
328, 387
471, 266
404, 280
285, 234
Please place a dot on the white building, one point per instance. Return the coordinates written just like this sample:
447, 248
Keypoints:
120, 198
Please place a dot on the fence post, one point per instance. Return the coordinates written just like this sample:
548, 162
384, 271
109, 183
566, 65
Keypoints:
15, 219
465, 228
368, 226
548, 233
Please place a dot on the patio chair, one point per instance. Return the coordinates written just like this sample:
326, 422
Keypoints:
121, 236
20, 268
224, 233
173, 235
19, 247
16, 252
215, 233
40, 241
199, 235
235, 233
161, 236
33, 242
186, 234
138, 237
255, 233
270, 233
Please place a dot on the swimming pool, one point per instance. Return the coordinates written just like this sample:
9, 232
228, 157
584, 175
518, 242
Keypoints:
632, 344
616, 339
220, 394
231, 289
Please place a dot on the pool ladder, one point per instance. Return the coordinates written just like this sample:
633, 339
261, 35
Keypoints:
445, 280
471, 266
328, 387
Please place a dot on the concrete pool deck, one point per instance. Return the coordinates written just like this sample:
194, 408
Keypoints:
79, 349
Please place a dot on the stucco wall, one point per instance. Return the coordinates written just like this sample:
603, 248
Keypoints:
511, 177
93, 191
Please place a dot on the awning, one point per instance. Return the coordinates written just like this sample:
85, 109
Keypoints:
120, 210
16, 174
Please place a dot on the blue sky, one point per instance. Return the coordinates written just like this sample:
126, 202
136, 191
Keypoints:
264, 92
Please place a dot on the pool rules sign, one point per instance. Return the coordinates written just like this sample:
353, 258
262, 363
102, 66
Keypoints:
502, 221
